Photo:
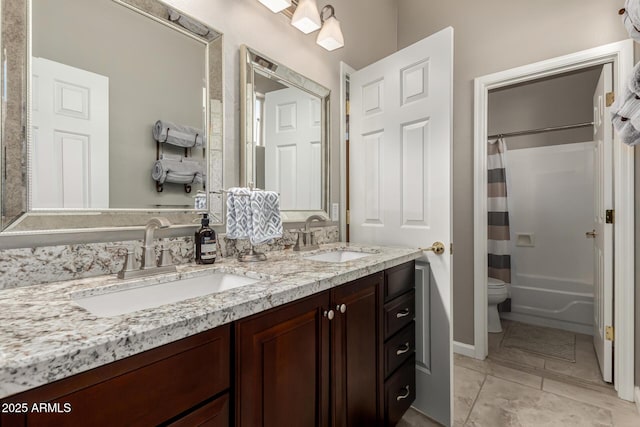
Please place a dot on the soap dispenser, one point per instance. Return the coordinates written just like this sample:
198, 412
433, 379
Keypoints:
206, 244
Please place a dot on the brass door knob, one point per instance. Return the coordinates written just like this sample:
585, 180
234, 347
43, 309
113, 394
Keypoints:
437, 248
591, 234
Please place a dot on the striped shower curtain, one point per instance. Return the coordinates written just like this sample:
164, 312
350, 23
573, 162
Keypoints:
499, 236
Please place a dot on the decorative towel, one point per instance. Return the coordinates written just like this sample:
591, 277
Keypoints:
265, 216
253, 215
180, 135
238, 213
177, 171
631, 18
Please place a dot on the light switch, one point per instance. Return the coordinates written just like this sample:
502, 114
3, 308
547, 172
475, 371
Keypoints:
335, 212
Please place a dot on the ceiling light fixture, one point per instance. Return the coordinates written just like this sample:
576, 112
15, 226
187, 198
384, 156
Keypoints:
330, 36
276, 5
305, 17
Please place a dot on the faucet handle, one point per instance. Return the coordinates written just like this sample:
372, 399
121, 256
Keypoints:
165, 256
129, 261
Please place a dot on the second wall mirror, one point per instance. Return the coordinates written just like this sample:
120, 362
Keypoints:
284, 134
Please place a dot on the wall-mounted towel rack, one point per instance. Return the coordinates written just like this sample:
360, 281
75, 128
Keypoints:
541, 130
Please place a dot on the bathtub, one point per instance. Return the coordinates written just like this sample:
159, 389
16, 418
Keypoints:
553, 302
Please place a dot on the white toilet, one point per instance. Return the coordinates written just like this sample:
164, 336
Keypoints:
497, 293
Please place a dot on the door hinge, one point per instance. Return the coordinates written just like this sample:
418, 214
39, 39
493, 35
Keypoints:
610, 216
611, 97
609, 333
348, 217
451, 248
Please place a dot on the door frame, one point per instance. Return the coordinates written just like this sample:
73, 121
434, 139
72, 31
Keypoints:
345, 72
621, 55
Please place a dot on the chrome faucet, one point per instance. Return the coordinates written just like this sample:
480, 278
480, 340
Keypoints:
149, 265
307, 223
149, 253
306, 238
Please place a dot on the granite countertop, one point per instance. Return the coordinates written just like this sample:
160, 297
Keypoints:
45, 336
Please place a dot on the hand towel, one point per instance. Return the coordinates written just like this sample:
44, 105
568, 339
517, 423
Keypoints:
631, 18
238, 213
177, 171
266, 223
180, 135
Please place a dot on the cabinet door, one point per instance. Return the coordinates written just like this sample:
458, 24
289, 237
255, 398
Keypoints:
357, 352
282, 365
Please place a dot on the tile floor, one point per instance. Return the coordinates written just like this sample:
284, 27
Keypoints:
515, 388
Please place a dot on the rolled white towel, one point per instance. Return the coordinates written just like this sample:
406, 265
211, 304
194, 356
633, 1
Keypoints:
180, 135
177, 171
631, 18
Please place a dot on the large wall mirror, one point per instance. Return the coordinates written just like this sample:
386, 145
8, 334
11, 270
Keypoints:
111, 113
284, 134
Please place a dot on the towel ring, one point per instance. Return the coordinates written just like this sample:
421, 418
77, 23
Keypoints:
159, 187
187, 188
166, 138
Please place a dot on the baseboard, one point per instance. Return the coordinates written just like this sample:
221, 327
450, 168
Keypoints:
636, 396
464, 349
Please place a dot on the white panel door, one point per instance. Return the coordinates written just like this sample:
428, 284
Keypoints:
603, 238
292, 145
400, 180
70, 137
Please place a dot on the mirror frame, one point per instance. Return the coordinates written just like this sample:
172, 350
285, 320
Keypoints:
250, 61
17, 218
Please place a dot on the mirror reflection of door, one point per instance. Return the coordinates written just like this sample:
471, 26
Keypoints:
70, 134
287, 137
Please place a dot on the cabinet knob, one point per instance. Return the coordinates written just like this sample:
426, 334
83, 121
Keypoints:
402, 313
341, 308
329, 314
403, 349
406, 393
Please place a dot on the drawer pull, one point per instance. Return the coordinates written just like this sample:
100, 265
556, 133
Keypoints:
402, 313
341, 308
329, 314
402, 350
405, 395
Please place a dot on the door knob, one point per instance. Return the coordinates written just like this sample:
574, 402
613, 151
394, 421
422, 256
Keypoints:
341, 308
591, 234
437, 248
328, 314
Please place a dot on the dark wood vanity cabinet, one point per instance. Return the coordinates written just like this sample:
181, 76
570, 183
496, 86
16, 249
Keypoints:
321, 361
182, 383
344, 357
399, 344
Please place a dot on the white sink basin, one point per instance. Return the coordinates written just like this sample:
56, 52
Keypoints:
337, 256
123, 301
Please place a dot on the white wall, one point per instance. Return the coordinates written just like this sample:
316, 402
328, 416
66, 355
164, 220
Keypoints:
551, 195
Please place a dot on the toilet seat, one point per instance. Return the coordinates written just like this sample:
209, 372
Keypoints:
495, 283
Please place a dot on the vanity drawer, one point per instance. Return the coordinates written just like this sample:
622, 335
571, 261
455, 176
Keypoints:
400, 392
399, 313
399, 348
398, 280
213, 414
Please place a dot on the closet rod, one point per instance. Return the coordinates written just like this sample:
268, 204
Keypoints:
534, 131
